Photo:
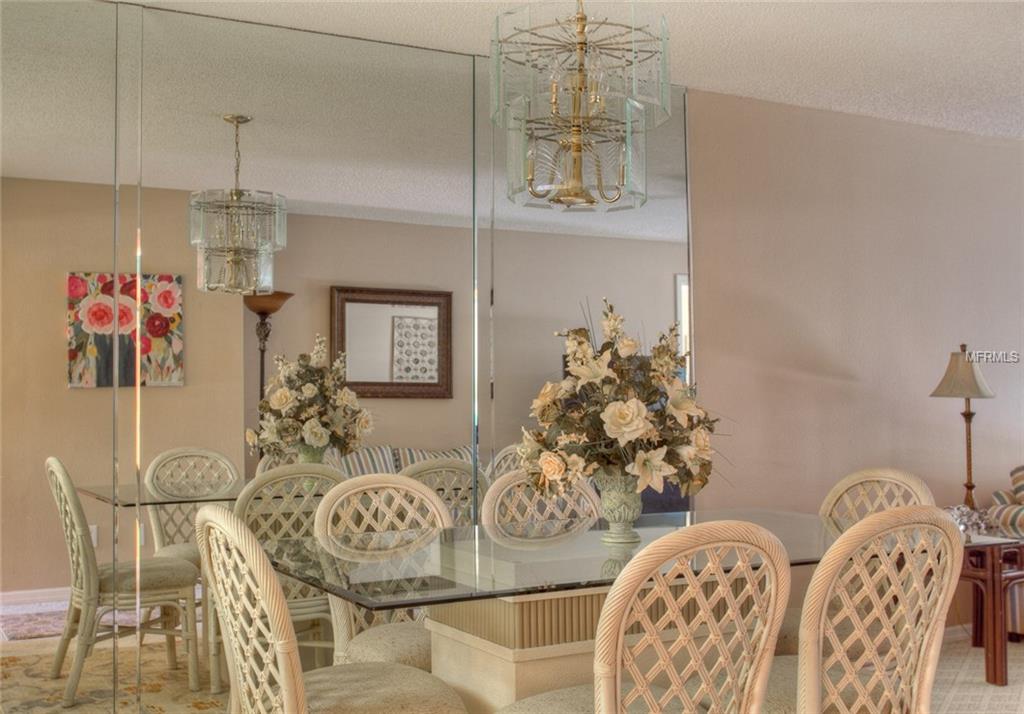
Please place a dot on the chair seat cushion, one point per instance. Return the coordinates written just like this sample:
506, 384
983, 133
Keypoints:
571, 700
185, 551
400, 642
780, 697
378, 688
157, 574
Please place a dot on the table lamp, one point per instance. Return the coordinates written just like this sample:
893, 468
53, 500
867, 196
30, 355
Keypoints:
963, 380
264, 306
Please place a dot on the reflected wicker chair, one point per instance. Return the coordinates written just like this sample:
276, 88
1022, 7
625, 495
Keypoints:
689, 625
376, 504
266, 675
873, 618
188, 472
281, 503
452, 480
503, 462
331, 458
167, 583
855, 497
515, 511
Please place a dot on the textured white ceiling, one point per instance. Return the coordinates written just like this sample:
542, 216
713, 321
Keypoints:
945, 64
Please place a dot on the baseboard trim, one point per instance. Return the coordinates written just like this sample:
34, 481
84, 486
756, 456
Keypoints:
19, 598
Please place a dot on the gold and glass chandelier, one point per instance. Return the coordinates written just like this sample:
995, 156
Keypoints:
236, 233
576, 96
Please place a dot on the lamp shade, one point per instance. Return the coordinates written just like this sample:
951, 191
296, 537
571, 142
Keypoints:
266, 304
962, 379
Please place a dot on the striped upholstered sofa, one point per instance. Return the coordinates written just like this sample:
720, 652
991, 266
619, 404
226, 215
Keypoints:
384, 459
1008, 514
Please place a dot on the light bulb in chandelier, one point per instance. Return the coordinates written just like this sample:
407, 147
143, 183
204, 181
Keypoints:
576, 95
236, 232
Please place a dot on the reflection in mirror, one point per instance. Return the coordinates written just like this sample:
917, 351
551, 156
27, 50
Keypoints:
397, 343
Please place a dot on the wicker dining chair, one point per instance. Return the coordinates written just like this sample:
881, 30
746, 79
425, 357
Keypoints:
187, 472
514, 509
855, 497
689, 625
452, 480
265, 671
166, 583
370, 505
504, 461
281, 503
873, 618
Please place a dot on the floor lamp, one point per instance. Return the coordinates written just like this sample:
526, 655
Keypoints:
963, 380
264, 306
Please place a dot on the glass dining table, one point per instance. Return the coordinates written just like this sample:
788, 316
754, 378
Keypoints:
511, 612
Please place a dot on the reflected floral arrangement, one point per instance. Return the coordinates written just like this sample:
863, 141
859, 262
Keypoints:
307, 408
619, 411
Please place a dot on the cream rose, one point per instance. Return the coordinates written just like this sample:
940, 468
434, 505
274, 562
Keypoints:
627, 347
282, 400
364, 422
309, 390
346, 398
625, 421
552, 467
314, 434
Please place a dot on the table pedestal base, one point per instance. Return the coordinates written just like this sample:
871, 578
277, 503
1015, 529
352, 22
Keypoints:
489, 676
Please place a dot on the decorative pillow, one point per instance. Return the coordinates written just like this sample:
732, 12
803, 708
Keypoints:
1017, 484
369, 460
1004, 498
1010, 519
408, 457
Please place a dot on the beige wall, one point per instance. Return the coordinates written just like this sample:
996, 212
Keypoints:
49, 229
837, 261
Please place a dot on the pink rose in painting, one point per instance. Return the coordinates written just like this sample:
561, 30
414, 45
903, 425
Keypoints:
125, 317
129, 287
147, 344
97, 314
78, 287
166, 298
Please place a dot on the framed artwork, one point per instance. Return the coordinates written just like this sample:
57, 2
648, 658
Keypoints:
397, 343
413, 349
92, 329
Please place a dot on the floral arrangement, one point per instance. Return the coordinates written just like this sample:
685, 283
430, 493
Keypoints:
619, 412
307, 408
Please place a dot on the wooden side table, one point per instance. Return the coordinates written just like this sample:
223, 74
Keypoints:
992, 566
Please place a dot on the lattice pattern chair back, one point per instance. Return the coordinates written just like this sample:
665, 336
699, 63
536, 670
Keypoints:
691, 621
375, 504
452, 480
869, 491
281, 503
81, 555
504, 461
266, 674
875, 612
185, 472
517, 509
331, 458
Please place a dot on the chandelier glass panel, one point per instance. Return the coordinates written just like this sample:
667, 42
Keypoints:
576, 95
236, 232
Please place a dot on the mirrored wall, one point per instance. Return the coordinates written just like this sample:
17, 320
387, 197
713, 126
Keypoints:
401, 249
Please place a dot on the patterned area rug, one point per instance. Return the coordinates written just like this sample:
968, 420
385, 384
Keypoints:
25, 685
34, 625
960, 686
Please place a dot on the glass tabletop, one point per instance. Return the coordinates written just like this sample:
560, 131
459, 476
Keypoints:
412, 568
129, 495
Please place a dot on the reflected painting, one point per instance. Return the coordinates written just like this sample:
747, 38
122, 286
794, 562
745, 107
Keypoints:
91, 327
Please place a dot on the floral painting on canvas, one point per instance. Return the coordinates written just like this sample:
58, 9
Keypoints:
102, 308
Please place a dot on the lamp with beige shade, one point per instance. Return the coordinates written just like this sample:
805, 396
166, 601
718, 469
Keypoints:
963, 380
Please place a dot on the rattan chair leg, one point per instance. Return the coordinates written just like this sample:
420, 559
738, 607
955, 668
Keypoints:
190, 633
86, 629
70, 627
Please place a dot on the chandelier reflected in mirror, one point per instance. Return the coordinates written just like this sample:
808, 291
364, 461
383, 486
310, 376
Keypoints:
236, 232
576, 95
